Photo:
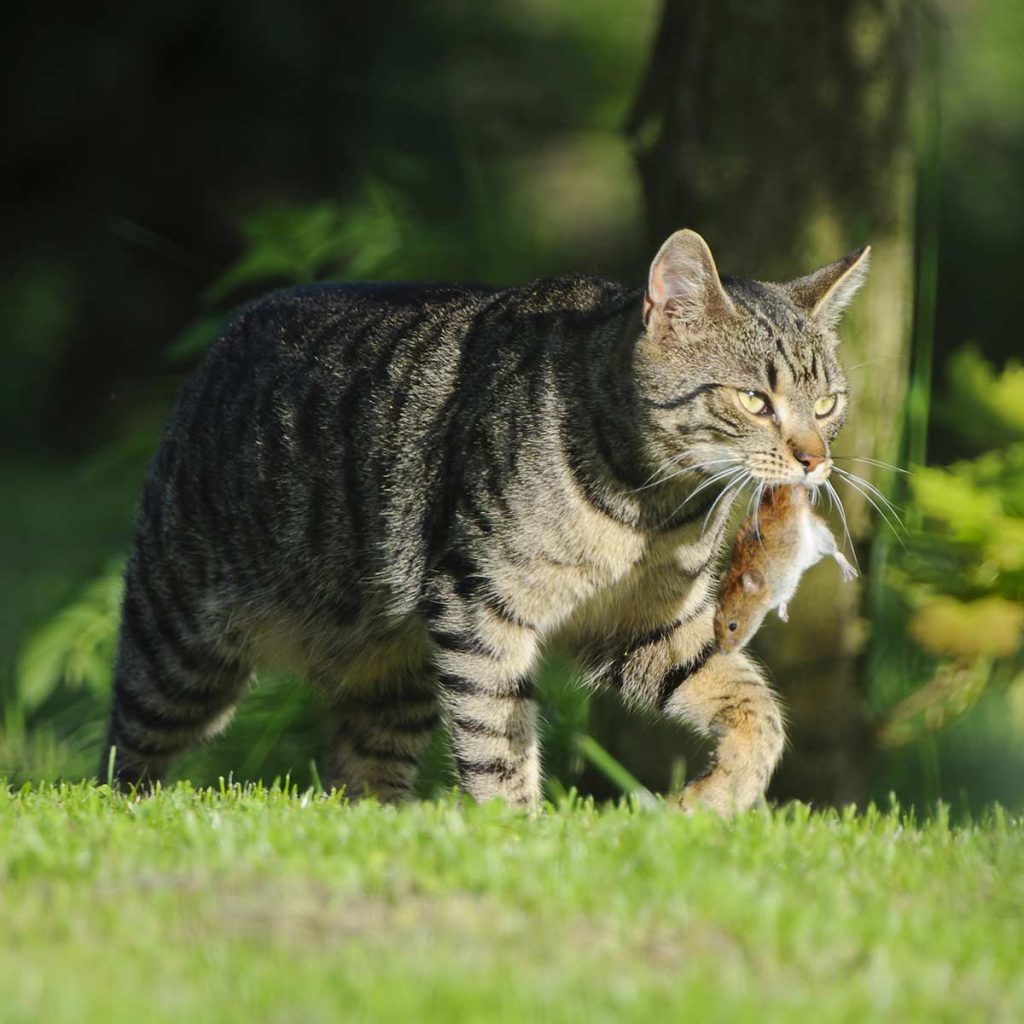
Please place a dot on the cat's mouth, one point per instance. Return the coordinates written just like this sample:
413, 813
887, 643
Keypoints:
817, 476
798, 476
812, 481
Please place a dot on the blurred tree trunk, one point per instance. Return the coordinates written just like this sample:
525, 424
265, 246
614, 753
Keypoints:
779, 130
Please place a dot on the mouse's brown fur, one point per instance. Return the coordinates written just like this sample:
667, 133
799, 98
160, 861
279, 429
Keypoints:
774, 546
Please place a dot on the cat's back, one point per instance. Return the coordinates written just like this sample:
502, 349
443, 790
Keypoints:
335, 325
381, 359
332, 425
300, 371
395, 335
318, 320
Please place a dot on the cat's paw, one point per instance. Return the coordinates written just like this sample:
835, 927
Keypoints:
703, 795
783, 611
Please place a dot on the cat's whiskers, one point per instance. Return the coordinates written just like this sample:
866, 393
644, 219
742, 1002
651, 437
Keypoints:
656, 479
726, 474
748, 510
761, 488
838, 505
845, 474
871, 362
872, 462
831, 502
723, 475
868, 492
755, 499
736, 485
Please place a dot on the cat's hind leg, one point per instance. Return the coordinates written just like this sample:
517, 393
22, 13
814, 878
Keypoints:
381, 735
174, 685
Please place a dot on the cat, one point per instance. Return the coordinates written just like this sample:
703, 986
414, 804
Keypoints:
408, 492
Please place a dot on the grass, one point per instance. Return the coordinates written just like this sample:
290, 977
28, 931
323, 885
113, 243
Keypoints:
266, 905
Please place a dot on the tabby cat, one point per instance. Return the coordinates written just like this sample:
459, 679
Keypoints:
409, 492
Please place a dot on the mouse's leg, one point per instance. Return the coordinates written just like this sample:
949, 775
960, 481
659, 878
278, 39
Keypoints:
826, 542
848, 571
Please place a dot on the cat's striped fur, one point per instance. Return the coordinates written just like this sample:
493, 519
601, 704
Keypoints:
407, 493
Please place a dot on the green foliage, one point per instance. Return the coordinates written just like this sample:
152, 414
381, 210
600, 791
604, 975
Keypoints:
299, 243
962, 578
190, 345
75, 648
983, 406
281, 904
289, 243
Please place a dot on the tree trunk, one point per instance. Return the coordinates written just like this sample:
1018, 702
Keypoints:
779, 131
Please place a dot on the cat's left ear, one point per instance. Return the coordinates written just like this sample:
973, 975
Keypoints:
826, 293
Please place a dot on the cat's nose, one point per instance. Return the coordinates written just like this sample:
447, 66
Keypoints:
808, 461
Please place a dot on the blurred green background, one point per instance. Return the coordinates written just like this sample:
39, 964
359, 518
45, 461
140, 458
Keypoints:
164, 163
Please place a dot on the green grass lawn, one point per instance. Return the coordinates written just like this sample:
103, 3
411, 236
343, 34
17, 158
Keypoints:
268, 906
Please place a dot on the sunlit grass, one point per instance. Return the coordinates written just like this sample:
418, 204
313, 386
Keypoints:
260, 904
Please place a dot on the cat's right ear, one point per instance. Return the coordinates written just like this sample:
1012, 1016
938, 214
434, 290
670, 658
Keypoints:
683, 283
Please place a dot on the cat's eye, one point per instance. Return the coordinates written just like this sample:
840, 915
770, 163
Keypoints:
755, 403
824, 405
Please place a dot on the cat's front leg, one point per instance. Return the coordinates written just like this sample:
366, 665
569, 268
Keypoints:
729, 699
678, 671
485, 660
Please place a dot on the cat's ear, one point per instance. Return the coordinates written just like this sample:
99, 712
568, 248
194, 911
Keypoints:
753, 581
684, 282
826, 293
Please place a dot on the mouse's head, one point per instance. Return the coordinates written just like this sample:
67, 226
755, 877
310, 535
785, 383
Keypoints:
743, 374
741, 609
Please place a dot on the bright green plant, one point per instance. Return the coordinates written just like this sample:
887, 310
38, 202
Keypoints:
75, 649
962, 578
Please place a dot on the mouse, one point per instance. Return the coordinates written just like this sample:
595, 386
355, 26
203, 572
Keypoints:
774, 546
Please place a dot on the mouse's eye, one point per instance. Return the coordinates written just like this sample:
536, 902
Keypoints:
732, 627
824, 405
755, 403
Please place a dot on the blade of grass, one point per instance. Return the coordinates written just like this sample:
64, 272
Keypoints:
592, 751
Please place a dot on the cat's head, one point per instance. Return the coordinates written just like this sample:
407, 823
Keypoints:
744, 374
